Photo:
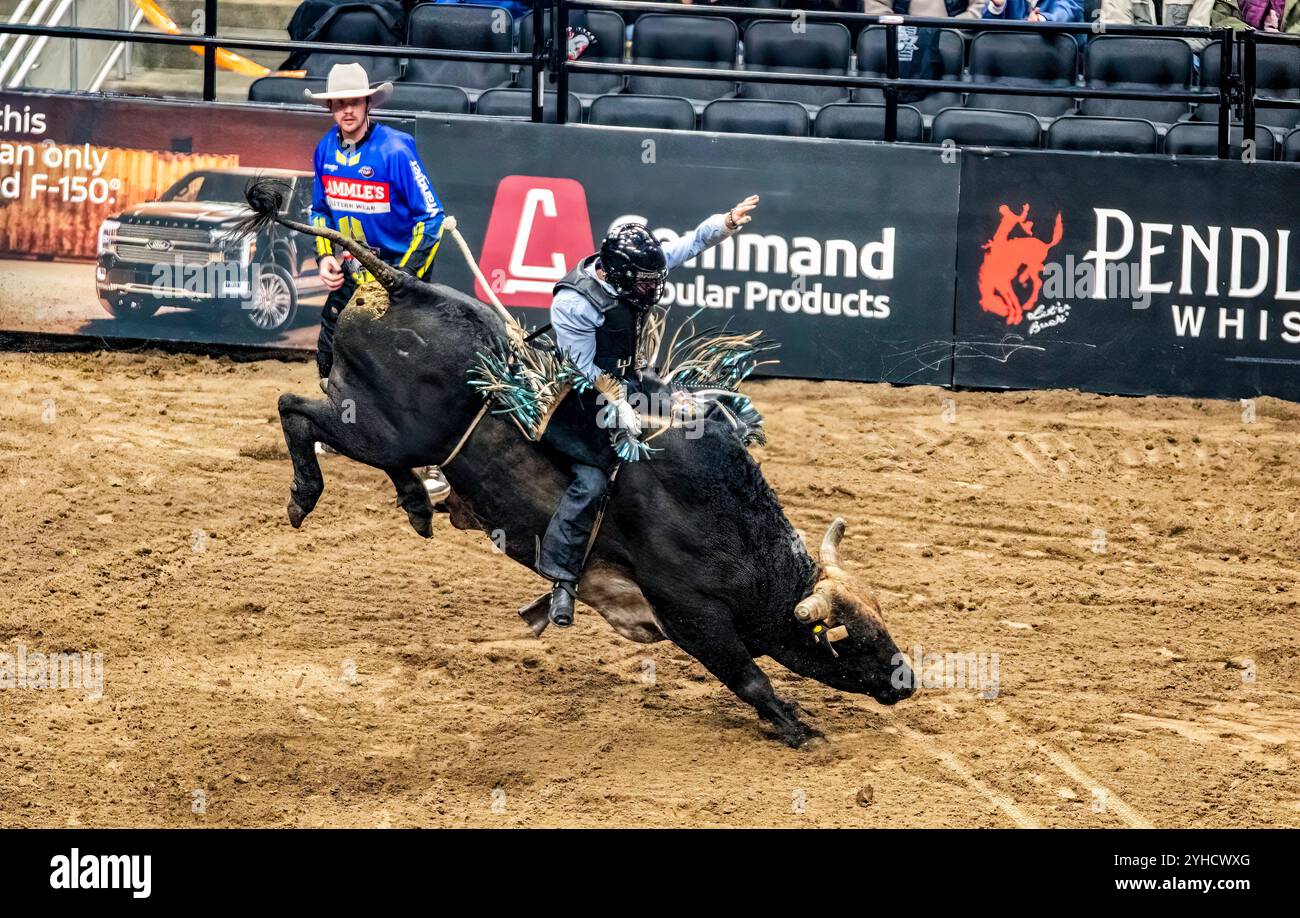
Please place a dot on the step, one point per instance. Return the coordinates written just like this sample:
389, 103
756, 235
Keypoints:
247, 14
175, 83
180, 57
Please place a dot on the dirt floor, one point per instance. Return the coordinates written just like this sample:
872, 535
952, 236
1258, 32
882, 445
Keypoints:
1131, 561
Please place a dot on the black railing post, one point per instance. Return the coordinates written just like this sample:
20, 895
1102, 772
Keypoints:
560, 59
209, 51
539, 59
1247, 84
891, 71
1226, 71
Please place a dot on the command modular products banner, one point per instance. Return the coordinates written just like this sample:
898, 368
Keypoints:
848, 264
1127, 274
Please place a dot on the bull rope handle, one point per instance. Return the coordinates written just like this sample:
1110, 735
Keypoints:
514, 331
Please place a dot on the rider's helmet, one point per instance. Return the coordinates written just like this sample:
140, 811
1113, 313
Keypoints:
634, 264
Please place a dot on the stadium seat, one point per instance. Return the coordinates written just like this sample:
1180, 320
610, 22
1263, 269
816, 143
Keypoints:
378, 69
772, 45
518, 103
1147, 64
863, 121
284, 90
427, 97
1191, 138
1103, 135
460, 27
970, 127
871, 62
1291, 147
673, 113
755, 116
684, 41
1277, 76
1024, 59
609, 30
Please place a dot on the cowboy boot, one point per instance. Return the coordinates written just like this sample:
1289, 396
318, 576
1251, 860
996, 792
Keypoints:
561, 613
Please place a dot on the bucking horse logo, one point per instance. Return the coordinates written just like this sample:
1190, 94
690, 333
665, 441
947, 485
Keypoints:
1012, 264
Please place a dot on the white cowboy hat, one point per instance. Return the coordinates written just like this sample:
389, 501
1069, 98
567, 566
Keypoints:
349, 81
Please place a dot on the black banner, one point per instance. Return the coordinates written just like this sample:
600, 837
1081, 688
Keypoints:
1126, 274
848, 262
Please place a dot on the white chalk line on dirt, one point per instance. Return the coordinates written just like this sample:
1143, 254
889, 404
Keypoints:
949, 761
1113, 801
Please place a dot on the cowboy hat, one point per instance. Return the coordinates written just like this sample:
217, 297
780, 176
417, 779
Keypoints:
349, 81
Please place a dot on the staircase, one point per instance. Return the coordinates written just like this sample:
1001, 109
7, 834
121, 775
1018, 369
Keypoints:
172, 71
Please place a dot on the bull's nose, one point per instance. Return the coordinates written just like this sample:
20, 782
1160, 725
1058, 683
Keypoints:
893, 694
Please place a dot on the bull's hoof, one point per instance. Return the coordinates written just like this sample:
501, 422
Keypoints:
422, 523
799, 735
296, 514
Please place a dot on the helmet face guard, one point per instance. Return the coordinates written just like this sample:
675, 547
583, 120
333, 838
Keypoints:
644, 288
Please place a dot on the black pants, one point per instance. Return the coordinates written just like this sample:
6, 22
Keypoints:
574, 435
329, 318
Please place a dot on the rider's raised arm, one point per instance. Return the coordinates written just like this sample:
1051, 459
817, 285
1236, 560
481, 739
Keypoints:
707, 234
575, 320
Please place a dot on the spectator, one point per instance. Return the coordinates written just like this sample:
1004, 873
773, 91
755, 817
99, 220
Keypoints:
939, 9
1264, 15
1035, 10
1182, 13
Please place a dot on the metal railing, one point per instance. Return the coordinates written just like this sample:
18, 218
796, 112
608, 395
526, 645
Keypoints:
549, 62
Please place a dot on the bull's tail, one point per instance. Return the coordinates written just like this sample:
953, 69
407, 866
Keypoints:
266, 197
1056, 232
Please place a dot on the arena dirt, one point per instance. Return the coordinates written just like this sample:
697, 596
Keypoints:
1131, 561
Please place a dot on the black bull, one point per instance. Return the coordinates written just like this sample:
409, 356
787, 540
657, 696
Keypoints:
694, 546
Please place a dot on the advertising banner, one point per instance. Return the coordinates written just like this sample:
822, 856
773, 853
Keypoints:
1127, 274
115, 213
848, 263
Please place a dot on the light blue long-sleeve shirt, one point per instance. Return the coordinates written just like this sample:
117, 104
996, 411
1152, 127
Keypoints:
574, 319
1052, 10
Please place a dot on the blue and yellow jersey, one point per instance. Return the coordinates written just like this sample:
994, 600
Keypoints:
377, 193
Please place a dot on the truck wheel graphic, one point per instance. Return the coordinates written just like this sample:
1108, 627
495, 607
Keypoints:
274, 300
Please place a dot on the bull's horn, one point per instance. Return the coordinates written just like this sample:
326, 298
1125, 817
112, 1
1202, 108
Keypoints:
815, 608
838, 633
830, 550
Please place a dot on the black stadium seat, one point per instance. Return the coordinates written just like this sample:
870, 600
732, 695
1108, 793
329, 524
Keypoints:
284, 90
1277, 76
1148, 64
1103, 135
1291, 147
871, 62
985, 128
684, 41
1191, 138
518, 103
347, 24
862, 121
755, 116
606, 26
425, 97
673, 113
459, 27
773, 45
1024, 59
